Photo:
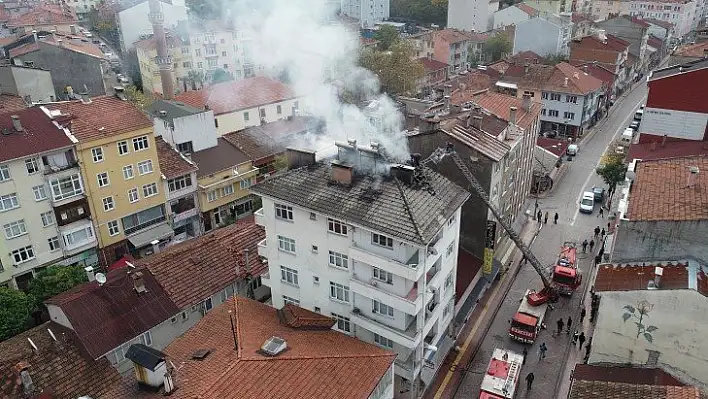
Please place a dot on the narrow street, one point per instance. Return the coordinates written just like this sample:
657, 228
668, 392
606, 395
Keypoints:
572, 226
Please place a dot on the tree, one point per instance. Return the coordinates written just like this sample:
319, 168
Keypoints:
612, 169
397, 70
196, 79
497, 47
138, 98
220, 76
53, 281
554, 59
421, 11
15, 310
387, 35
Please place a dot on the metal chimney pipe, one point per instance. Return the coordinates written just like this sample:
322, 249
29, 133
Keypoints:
163, 60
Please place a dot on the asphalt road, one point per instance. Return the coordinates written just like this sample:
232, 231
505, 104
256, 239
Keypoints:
572, 226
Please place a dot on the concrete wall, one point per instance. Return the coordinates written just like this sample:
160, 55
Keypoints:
238, 120
509, 16
679, 337
33, 82
638, 240
469, 14
539, 36
134, 21
199, 129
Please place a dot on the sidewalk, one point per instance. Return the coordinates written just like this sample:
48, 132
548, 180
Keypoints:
470, 338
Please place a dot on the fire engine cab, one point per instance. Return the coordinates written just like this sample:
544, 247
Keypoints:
566, 275
527, 322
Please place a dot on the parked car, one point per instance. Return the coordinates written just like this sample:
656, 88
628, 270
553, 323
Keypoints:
599, 193
572, 150
634, 125
587, 203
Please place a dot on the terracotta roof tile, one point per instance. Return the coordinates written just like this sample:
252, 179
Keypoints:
247, 93
636, 277
500, 104
660, 190
578, 81
172, 164
671, 149
655, 42
636, 20
450, 35
297, 317
262, 141
47, 14
59, 367
432, 65
11, 103
613, 43
317, 363
173, 40
603, 389
110, 315
23, 49
463, 86
692, 50
626, 374
557, 147
532, 12
104, 116
74, 43
196, 269
38, 135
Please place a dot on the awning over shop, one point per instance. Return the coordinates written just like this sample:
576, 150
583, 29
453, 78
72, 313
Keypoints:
145, 237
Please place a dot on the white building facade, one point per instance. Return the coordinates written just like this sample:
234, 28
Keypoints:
133, 22
471, 15
546, 36
380, 288
368, 12
680, 13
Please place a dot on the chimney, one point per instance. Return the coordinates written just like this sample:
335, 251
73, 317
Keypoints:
138, 282
447, 90
526, 68
56, 29
85, 99
342, 173
565, 82
477, 122
299, 158
163, 113
705, 53
658, 272
90, 274
27, 384
585, 69
663, 141
34, 33
692, 176
73, 29
16, 123
526, 102
512, 115
447, 103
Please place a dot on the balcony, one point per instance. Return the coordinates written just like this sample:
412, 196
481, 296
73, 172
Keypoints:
78, 237
372, 288
407, 367
263, 247
410, 338
73, 212
409, 270
260, 218
54, 169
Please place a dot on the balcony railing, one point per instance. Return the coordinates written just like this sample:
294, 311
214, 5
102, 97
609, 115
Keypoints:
144, 225
51, 169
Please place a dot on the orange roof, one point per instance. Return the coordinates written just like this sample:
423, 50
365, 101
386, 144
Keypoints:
532, 12
172, 164
450, 35
636, 277
11, 103
692, 50
68, 41
47, 14
103, 117
318, 362
660, 190
605, 389
579, 82
242, 94
500, 105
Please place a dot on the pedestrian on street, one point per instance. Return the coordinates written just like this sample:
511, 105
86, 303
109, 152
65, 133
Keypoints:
568, 324
545, 218
539, 215
555, 218
602, 233
585, 245
575, 337
525, 352
559, 323
598, 259
529, 380
582, 314
581, 338
597, 231
592, 244
542, 351
608, 227
601, 213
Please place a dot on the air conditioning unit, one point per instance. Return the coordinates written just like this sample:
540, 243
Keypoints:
356, 311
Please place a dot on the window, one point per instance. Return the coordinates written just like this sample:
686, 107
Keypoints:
211, 195
4, 172
278, 109
283, 212
544, 95
15, 229
338, 292
381, 308
555, 97
553, 112
256, 283
317, 309
543, 111
338, 260
200, 65
97, 154
451, 220
122, 147
23, 255
448, 281
381, 240
316, 279
53, 243
179, 183
113, 228
145, 167
47, 218
291, 301
228, 190
336, 227
245, 183
78, 237
128, 172
569, 115
450, 249
40, 193
529, 93
383, 275
343, 323
149, 190
383, 341
31, 165
8, 202
286, 244
245, 116
141, 143
262, 112
66, 187
102, 179
185, 147
208, 305
571, 99
108, 204
133, 195
198, 53
288, 275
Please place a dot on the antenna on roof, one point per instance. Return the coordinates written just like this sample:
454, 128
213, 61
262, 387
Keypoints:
233, 330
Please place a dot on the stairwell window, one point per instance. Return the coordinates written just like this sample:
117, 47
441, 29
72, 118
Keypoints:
286, 244
382, 240
383, 341
338, 292
288, 275
128, 172
133, 195
336, 227
343, 323
382, 309
283, 212
383, 276
47, 218
338, 260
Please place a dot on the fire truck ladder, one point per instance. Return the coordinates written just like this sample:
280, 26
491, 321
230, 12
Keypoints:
511, 376
437, 156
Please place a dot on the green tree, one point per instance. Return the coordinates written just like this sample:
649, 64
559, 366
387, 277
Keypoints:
421, 11
138, 98
387, 35
196, 79
53, 281
497, 47
220, 76
612, 169
15, 310
397, 70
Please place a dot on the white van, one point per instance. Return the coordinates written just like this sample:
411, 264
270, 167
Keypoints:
638, 115
627, 136
572, 150
587, 203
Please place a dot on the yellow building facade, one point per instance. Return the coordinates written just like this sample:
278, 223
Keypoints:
150, 73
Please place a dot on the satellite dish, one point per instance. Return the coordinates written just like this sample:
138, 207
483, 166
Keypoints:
101, 278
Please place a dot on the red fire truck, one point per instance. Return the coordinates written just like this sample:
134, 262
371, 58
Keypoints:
566, 276
527, 322
502, 376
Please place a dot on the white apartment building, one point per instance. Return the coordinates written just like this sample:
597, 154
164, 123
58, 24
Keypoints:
377, 254
43, 209
368, 12
133, 22
221, 48
681, 13
471, 15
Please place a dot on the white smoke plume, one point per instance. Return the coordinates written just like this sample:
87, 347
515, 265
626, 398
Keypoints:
299, 38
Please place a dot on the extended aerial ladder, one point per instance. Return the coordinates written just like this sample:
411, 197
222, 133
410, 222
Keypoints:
549, 293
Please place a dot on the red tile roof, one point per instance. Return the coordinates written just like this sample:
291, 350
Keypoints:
196, 269
626, 374
556, 147
464, 86
578, 18
500, 105
657, 22
451, 36
110, 315
637, 21
532, 12
11, 103
47, 14
103, 117
172, 164
598, 70
578, 81
59, 367
603, 389
635, 277
432, 65
318, 363
23, 49
258, 142
692, 50
660, 190
655, 42
38, 135
592, 42
75, 43
242, 94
